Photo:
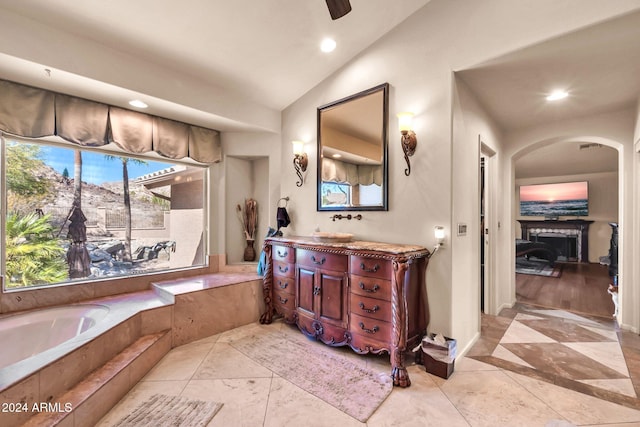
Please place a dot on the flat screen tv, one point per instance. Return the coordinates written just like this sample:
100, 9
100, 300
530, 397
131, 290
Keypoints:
554, 200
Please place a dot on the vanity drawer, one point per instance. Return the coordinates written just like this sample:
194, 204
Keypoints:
372, 328
284, 284
362, 344
370, 307
321, 260
370, 267
371, 287
284, 269
284, 299
283, 253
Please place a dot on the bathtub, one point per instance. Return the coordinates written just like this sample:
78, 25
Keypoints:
25, 335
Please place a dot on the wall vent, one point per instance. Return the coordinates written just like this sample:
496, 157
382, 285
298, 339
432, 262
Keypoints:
590, 145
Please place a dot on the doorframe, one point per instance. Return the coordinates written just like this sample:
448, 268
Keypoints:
488, 232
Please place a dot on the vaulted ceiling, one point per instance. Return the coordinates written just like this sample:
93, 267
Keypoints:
265, 50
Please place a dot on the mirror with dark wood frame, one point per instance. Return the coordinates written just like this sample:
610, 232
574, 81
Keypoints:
352, 152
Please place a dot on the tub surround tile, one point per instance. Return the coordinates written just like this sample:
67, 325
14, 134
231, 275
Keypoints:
201, 314
156, 320
146, 360
205, 282
98, 404
26, 391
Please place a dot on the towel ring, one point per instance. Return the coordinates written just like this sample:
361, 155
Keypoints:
286, 202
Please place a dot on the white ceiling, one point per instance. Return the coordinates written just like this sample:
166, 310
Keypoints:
600, 68
265, 50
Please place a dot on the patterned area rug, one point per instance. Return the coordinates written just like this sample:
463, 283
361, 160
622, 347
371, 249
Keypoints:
537, 267
323, 372
164, 411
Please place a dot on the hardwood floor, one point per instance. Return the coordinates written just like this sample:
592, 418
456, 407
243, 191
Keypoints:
581, 288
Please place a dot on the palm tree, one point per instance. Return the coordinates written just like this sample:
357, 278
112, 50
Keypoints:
33, 254
126, 256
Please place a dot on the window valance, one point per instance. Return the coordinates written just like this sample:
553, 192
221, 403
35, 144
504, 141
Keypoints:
349, 173
31, 112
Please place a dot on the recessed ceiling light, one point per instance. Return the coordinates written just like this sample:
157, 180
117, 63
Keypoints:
328, 45
557, 94
138, 104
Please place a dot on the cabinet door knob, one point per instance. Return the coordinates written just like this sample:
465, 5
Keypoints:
373, 289
316, 290
313, 258
369, 310
369, 331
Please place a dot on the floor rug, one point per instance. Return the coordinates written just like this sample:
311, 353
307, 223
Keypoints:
164, 411
537, 267
321, 371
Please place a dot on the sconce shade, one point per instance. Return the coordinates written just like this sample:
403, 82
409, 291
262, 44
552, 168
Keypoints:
405, 120
438, 232
298, 147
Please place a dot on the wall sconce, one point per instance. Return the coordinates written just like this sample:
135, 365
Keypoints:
300, 160
438, 233
409, 139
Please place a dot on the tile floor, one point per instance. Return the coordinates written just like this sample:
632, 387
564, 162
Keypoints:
507, 379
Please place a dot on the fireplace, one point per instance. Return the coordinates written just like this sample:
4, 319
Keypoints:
567, 246
570, 238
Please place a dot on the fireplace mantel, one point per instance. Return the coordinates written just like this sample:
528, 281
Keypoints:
577, 226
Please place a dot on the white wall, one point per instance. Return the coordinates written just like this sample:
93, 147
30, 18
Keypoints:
251, 169
472, 126
417, 59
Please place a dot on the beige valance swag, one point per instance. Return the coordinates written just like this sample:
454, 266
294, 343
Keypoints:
31, 112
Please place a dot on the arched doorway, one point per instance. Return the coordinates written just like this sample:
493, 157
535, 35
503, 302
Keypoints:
597, 161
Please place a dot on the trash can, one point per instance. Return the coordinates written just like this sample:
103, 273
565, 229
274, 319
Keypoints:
438, 354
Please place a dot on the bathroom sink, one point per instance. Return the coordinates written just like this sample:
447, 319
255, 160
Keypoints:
325, 236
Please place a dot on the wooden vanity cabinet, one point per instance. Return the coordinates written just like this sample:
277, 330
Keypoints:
284, 282
322, 295
370, 296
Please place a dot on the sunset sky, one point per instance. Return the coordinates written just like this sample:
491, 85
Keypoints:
552, 192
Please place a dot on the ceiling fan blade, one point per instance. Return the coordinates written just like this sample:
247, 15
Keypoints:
338, 8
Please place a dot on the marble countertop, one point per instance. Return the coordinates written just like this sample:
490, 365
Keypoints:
357, 245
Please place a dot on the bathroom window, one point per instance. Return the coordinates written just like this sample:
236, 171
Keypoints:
77, 214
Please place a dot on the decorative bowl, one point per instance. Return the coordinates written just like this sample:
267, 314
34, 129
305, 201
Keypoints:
325, 236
